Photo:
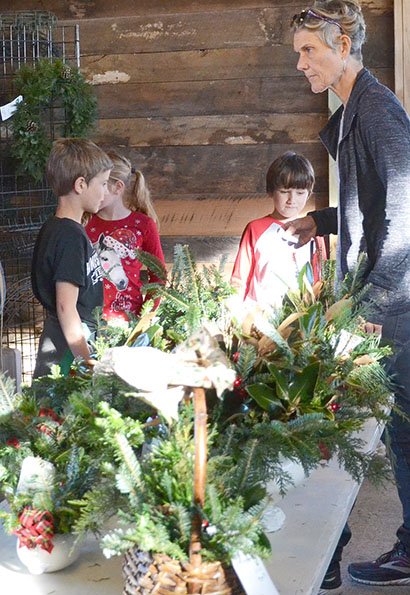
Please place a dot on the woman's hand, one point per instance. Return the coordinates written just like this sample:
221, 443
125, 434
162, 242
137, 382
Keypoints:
371, 328
304, 229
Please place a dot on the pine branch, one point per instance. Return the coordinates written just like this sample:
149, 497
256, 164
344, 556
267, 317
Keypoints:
153, 264
8, 396
95, 508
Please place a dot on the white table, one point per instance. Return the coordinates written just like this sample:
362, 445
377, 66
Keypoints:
92, 574
316, 512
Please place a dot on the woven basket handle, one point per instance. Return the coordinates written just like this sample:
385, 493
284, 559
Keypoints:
200, 440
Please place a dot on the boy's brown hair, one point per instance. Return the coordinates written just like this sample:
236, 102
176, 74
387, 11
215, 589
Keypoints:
290, 170
72, 158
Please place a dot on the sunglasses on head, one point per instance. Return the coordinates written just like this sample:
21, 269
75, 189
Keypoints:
309, 13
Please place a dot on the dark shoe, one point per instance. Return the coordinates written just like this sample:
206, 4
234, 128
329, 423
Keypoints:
332, 581
392, 568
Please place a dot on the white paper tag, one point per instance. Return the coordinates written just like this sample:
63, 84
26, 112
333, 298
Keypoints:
8, 110
347, 342
253, 575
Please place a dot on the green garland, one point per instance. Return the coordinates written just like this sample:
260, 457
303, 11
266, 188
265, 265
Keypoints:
47, 85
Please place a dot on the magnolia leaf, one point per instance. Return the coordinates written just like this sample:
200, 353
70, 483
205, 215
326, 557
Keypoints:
272, 333
338, 308
303, 386
142, 326
282, 385
317, 288
305, 279
265, 346
263, 395
287, 322
313, 316
364, 360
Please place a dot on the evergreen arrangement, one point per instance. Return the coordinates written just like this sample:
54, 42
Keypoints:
307, 379
45, 86
159, 485
52, 460
190, 295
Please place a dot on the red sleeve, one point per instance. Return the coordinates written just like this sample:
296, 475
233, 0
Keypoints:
244, 263
152, 244
319, 256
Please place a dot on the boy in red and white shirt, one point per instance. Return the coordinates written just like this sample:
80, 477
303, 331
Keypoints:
268, 263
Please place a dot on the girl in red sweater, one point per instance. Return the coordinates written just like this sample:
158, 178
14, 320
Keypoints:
125, 222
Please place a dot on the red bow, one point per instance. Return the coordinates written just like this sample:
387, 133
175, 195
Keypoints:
37, 529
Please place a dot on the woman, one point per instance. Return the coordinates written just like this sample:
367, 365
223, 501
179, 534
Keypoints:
369, 135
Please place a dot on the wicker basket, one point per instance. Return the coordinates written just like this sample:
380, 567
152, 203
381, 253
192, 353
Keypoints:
149, 574
145, 574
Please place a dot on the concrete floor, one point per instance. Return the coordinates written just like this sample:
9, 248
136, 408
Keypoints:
373, 521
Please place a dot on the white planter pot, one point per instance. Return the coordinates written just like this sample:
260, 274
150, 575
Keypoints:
66, 551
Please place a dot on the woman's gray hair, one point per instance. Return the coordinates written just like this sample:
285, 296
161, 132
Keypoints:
347, 13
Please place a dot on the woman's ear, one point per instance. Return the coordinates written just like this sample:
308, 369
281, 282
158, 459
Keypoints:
345, 46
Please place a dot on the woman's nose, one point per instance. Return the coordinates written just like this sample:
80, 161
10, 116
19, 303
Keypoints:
301, 65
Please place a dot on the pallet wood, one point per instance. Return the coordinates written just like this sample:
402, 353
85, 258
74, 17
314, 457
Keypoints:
402, 51
218, 216
80, 9
240, 96
211, 64
223, 170
235, 129
197, 31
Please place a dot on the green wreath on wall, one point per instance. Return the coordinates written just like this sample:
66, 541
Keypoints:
46, 86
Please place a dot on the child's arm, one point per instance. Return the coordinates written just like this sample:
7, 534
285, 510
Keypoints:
152, 244
244, 264
69, 319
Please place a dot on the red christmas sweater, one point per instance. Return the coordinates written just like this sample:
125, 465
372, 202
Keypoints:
115, 243
267, 266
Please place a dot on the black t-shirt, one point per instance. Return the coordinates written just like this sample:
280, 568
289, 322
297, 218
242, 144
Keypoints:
63, 252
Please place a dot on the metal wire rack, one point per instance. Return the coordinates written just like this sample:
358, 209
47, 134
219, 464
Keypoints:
25, 38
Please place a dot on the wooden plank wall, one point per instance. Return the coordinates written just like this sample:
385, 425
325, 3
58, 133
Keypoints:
402, 51
202, 96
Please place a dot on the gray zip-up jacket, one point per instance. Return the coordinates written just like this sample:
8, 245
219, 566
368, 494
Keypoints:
373, 214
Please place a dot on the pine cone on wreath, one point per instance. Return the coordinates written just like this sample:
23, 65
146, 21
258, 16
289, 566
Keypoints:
32, 127
66, 72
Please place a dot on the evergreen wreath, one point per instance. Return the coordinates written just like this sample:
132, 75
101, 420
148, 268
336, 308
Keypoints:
44, 86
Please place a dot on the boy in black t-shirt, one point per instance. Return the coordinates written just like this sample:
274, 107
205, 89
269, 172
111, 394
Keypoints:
66, 274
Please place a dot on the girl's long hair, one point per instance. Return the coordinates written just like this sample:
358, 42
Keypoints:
137, 196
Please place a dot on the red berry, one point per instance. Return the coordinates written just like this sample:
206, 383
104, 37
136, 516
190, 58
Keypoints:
334, 407
13, 442
324, 451
235, 356
46, 412
237, 383
43, 428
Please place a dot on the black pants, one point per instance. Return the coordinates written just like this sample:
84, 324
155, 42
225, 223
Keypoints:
343, 541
